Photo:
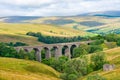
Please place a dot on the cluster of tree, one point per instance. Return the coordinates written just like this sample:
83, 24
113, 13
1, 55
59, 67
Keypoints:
79, 67
100, 39
108, 38
53, 39
16, 44
86, 49
113, 38
72, 69
9, 51
75, 68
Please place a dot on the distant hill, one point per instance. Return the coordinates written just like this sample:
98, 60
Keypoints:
104, 14
91, 23
18, 19
59, 21
104, 22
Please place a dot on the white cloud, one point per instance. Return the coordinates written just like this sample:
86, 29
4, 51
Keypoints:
26, 2
55, 7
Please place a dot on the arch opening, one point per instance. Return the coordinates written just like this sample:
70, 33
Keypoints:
72, 49
54, 51
37, 54
88, 43
45, 53
26, 50
65, 51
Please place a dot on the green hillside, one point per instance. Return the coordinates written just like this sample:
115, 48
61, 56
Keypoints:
94, 24
10, 32
16, 69
113, 56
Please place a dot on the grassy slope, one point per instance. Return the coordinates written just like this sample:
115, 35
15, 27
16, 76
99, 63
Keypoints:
16, 69
16, 32
110, 23
113, 56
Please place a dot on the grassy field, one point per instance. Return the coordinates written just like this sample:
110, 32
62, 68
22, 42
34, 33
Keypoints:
16, 69
113, 56
10, 32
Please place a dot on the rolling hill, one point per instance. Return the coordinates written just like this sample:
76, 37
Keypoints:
16, 32
16, 69
113, 56
109, 14
18, 19
93, 24
96, 22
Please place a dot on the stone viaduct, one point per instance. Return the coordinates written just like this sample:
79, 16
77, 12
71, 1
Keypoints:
54, 50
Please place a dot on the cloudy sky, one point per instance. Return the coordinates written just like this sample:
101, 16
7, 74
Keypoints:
55, 7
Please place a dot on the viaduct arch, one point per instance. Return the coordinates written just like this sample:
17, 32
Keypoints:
57, 49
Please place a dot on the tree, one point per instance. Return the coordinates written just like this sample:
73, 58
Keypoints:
20, 44
98, 42
118, 42
7, 51
81, 50
54, 39
31, 55
75, 68
57, 64
95, 48
21, 54
98, 60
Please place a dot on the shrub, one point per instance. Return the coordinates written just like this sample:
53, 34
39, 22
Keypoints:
72, 77
63, 76
57, 64
9, 51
